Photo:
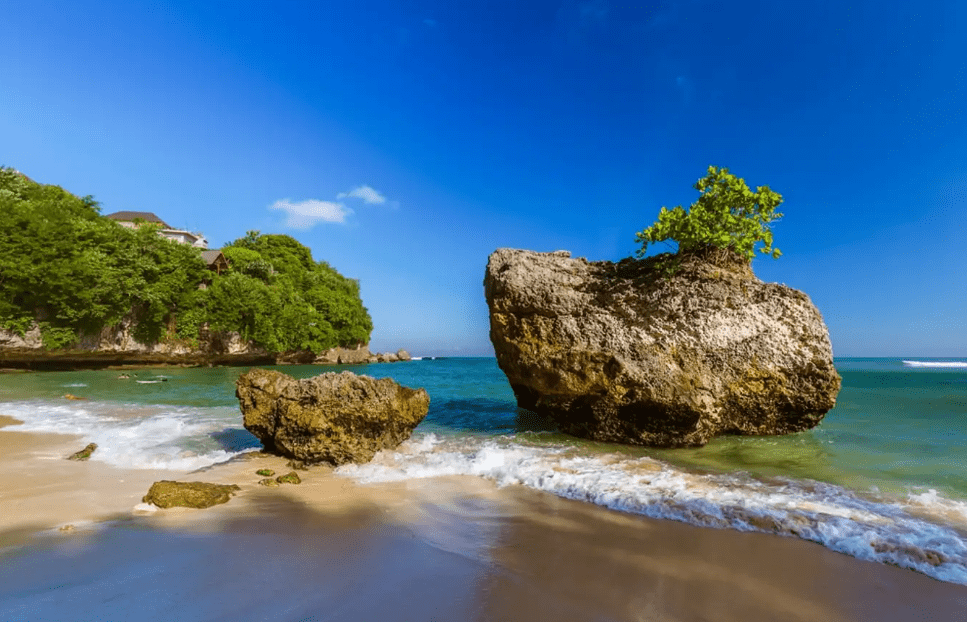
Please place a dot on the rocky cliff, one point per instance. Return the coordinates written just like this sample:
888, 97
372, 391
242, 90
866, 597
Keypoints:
117, 346
652, 353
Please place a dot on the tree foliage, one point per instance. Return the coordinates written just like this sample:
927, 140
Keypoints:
74, 272
728, 216
279, 296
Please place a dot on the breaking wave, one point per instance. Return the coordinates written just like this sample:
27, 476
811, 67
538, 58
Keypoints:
937, 364
924, 532
138, 436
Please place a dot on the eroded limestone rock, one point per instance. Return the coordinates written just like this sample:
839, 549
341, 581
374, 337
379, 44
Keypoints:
628, 353
334, 417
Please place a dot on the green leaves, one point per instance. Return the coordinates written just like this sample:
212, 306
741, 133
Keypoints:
728, 215
75, 272
278, 296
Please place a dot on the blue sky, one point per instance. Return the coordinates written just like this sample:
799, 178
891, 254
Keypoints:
404, 142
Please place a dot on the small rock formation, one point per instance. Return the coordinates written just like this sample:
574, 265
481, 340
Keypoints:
344, 356
268, 481
336, 418
389, 357
167, 494
265, 472
289, 478
83, 454
633, 353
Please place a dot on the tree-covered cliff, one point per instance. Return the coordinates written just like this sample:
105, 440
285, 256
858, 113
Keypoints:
75, 273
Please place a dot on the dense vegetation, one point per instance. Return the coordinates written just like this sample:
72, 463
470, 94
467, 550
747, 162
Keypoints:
276, 295
728, 218
74, 272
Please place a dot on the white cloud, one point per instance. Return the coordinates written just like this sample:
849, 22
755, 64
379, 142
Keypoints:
306, 214
365, 193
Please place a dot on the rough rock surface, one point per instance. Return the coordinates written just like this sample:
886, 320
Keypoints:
31, 339
336, 418
83, 454
117, 345
344, 356
168, 494
628, 353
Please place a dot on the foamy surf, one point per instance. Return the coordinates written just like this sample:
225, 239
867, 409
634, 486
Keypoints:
937, 364
907, 533
134, 436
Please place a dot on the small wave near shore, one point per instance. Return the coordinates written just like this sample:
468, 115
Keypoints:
924, 532
138, 436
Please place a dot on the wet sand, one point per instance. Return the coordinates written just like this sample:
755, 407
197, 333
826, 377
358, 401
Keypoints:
444, 549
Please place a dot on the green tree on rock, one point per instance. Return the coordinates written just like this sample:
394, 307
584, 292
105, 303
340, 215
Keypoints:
728, 219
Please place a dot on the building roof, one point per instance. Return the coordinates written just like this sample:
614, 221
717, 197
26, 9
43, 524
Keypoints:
132, 216
211, 256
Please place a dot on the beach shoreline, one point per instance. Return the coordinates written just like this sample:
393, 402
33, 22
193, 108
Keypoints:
461, 544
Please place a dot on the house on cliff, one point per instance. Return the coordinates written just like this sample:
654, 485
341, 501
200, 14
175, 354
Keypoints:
215, 260
133, 220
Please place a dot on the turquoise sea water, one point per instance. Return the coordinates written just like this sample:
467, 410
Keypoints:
884, 477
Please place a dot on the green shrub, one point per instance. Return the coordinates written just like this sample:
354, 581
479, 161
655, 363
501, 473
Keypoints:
728, 218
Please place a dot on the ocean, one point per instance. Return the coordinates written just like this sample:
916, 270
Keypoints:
883, 478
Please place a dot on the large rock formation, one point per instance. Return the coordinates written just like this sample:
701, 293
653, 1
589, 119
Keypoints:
336, 418
665, 351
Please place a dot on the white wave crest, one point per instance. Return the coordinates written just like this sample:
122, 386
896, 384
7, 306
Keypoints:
830, 515
937, 364
132, 436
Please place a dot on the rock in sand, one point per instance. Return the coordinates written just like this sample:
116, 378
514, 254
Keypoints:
83, 454
333, 417
168, 494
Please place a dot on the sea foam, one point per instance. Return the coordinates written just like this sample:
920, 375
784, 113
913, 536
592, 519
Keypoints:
888, 531
136, 436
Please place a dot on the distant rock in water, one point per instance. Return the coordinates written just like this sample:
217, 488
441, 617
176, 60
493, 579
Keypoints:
334, 417
629, 353
168, 494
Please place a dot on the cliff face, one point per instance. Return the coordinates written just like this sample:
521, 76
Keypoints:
117, 346
626, 353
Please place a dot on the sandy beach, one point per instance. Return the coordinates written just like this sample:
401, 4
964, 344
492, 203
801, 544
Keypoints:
454, 548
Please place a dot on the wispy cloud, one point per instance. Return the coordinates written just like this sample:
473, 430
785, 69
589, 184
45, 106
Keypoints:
365, 193
304, 215
429, 22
